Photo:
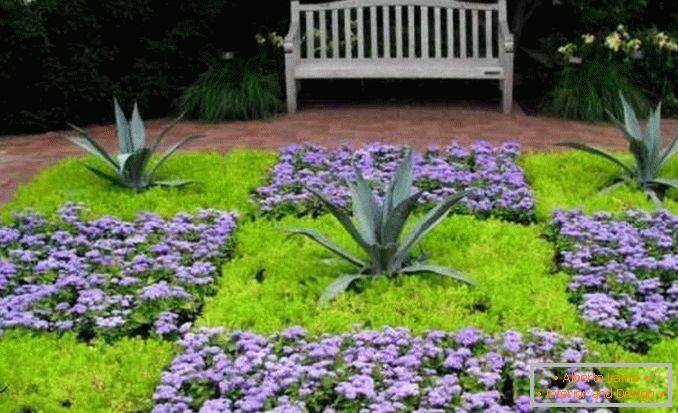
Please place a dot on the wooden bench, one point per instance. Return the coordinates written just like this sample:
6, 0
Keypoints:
406, 39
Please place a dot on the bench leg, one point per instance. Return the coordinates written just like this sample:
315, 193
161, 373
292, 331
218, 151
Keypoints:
507, 94
291, 84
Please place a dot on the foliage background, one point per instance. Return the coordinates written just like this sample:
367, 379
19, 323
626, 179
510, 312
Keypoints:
63, 60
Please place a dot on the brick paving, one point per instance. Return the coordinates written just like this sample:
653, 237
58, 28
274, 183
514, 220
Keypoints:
331, 124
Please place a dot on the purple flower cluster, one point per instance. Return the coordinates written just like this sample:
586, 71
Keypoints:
109, 277
624, 272
383, 371
496, 183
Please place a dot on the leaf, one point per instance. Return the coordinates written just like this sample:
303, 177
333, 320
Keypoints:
337, 287
116, 180
398, 218
342, 217
174, 183
670, 150
426, 224
327, 243
137, 130
402, 181
653, 196
165, 132
654, 138
134, 168
90, 145
673, 183
169, 152
597, 151
438, 269
631, 124
123, 130
365, 208
610, 188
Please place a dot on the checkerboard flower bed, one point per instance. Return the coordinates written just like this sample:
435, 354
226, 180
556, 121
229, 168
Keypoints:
497, 184
109, 277
378, 371
624, 273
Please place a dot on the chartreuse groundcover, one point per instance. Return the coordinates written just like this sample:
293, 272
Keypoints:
195, 300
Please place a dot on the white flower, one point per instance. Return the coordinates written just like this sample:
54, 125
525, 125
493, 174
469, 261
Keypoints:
588, 38
613, 41
259, 38
632, 45
276, 40
567, 50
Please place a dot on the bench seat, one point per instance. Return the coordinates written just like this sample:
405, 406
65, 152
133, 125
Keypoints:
380, 69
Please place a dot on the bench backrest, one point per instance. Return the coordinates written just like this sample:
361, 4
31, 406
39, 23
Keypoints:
399, 29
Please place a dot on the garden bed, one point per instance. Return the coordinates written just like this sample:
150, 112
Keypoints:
271, 283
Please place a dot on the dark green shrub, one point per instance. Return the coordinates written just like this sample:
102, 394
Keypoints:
234, 90
63, 59
586, 91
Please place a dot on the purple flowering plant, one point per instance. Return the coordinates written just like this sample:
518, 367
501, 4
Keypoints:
624, 273
496, 184
386, 371
107, 277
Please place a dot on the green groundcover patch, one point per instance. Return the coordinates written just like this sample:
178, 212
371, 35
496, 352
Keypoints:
45, 373
274, 282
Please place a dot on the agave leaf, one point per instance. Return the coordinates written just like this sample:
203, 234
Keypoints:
654, 141
402, 181
610, 188
165, 132
342, 217
631, 124
438, 269
670, 150
90, 145
386, 208
398, 217
365, 208
134, 168
653, 196
124, 135
327, 243
175, 183
337, 287
169, 152
600, 152
426, 224
673, 183
137, 130
115, 179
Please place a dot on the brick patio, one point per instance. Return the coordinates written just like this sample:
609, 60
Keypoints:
330, 124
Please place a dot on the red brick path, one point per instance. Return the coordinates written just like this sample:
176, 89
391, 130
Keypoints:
419, 125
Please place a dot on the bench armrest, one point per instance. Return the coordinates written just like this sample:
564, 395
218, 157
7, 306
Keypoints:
505, 37
292, 40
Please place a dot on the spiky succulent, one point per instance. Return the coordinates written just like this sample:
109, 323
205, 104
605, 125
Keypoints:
377, 229
646, 148
131, 168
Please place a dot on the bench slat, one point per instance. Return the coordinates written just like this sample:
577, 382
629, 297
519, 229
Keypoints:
424, 32
462, 34
437, 29
310, 38
386, 25
373, 32
474, 26
411, 52
335, 34
488, 34
347, 34
361, 34
399, 31
450, 33
323, 34
369, 3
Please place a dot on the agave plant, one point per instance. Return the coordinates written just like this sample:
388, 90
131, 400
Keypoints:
131, 168
377, 229
646, 150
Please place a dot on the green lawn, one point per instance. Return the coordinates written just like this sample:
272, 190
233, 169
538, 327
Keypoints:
273, 282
